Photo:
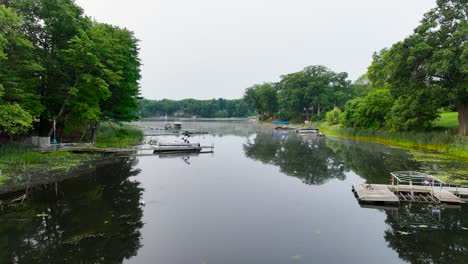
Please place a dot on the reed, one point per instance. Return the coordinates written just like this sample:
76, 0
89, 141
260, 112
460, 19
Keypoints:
441, 142
117, 135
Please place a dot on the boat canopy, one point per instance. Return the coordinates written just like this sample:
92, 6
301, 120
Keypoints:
281, 123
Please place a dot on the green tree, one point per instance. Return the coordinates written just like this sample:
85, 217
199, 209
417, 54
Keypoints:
350, 114
105, 63
58, 64
371, 111
264, 99
315, 89
14, 119
49, 25
435, 59
18, 102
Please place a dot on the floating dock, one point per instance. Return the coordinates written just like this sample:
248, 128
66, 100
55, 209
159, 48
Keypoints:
129, 151
391, 194
417, 188
178, 149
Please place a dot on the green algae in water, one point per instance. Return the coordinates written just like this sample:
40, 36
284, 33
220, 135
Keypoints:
447, 168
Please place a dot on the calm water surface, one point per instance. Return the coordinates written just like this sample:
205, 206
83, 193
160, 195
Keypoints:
260, 198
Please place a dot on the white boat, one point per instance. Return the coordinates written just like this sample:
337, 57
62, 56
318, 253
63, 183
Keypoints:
178, 144
308, 130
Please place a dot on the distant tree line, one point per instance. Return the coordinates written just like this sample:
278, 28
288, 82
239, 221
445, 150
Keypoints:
57, 64
191, 107
405, 88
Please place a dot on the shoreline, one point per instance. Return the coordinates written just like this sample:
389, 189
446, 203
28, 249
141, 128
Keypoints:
23, 167
440, 149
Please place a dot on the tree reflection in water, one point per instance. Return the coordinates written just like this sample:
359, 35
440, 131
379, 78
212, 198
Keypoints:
423, 234
307, 158
372, 161
95, 218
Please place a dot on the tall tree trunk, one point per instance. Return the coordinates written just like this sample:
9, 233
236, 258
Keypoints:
462, 108
44, 125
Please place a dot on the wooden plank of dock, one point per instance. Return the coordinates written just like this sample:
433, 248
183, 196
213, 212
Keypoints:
194, 148
374, 193
445, 196
408, 193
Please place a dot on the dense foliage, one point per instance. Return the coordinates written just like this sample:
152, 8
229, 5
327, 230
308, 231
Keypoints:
264, 99
191, 107
333, 117
58, 64
404, 89
428, 70
310, 92
371, 111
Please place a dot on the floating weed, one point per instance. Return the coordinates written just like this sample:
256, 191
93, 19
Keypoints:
317, 232
448, 169
296, 257
403, 233
42, 215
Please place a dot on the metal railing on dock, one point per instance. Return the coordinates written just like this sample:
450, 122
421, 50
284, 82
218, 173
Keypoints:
412, 187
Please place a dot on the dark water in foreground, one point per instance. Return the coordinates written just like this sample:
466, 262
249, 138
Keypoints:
260, 198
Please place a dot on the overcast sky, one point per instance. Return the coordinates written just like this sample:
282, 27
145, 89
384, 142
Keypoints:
207, 49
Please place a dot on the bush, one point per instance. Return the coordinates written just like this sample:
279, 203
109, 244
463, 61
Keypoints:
117, 135
333, 117
371, 111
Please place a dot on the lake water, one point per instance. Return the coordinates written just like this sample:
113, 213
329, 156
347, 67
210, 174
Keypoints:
260, 197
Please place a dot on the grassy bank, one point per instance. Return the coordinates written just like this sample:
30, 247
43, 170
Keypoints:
22, 163
440, 142
20, 160
447, 121
118, 135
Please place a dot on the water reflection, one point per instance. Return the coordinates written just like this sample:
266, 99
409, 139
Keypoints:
185, 157
219, 129
227, 208
371, 161
428, 234
307, 158
92, 219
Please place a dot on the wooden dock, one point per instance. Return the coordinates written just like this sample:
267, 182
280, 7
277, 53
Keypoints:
135, 150
368, 193
394, 194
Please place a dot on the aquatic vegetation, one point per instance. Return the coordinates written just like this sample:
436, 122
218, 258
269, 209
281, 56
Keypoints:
451, 170
440, 142
20, 164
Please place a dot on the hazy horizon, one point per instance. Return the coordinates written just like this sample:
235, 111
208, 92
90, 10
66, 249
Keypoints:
210, 49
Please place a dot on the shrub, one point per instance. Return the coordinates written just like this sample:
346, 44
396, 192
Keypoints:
333, 116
